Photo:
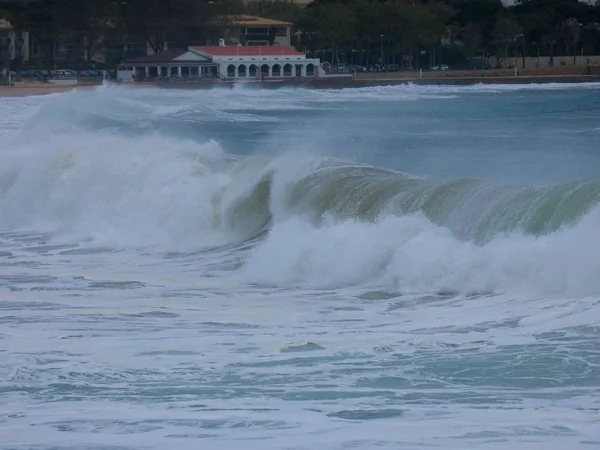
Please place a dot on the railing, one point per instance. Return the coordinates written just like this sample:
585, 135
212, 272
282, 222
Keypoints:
181, 78
62, 77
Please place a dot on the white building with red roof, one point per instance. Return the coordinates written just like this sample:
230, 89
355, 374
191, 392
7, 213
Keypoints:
221, 61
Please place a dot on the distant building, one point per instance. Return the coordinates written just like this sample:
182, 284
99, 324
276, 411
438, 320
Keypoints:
298, 2
14, 45
231, 62
252, 30
513, 2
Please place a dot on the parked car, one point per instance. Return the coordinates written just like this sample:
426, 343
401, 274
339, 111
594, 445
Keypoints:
90, 73
357, 68
63, 73
41, 74
480, 64
440, 67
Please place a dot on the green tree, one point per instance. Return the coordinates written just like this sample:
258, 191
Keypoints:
429, 25
330, 27
159, 21
87, 22
505, 33
273, 9
544, 21
49, 21
472, 35
477, 19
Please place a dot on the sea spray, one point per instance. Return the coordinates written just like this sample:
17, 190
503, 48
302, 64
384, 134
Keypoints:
332, 223
409, 254
165, 253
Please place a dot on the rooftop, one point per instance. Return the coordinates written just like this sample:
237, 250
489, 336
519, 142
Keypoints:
248, 50
205, 52
246, 20
5, 25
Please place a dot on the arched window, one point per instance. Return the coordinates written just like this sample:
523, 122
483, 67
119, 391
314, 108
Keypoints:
242, 70
252, 71
264, 70
230, 71
310, 70
276, 70
287, 70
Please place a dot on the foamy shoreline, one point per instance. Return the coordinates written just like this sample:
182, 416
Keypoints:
27, 89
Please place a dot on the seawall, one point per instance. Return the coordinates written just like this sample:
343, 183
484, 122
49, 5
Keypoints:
455, 77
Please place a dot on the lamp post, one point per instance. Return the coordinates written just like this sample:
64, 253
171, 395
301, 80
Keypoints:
368, 61
522, 37
576, 34
381, 49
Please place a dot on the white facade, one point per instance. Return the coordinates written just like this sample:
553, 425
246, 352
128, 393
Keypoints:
13, 44
125, 74
266, 66
236, 62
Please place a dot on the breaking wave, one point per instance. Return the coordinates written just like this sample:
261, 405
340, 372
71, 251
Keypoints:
157, 181
318, 221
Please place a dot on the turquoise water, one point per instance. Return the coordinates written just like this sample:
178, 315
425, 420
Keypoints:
393, 267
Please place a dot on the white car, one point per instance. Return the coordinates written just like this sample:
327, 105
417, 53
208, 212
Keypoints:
440, 67
62, 73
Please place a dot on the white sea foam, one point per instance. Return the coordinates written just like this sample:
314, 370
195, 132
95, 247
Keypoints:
178, 195
157, 291
410, 254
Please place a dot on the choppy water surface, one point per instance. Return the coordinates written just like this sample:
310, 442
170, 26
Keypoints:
396, 267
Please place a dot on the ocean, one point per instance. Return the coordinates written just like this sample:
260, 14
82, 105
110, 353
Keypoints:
400, 267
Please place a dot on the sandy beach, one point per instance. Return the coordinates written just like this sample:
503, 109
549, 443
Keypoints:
38, 89
456, 77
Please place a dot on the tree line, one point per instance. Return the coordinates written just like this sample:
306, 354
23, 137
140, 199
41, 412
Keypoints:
364, 32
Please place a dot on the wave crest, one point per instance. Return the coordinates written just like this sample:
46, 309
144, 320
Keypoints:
119, 183
329, 222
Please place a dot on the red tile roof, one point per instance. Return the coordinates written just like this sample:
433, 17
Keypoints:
258, 21
248, 50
